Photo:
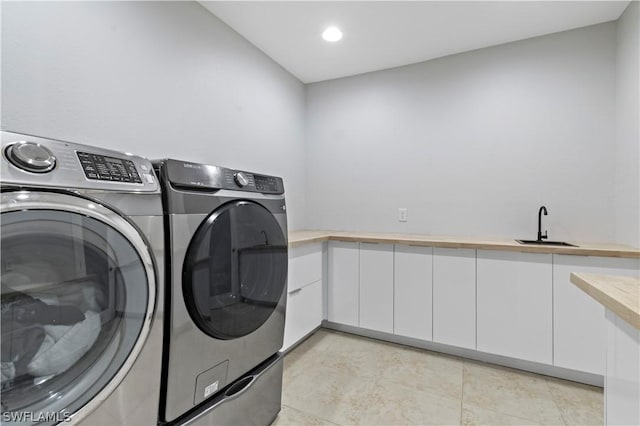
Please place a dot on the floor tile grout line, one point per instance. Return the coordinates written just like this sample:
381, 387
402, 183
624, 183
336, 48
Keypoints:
546, 384
553, 398
311, 414
536, 422
465, 375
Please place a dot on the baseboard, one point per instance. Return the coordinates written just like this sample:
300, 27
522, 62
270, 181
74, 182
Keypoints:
533, 367
299, 341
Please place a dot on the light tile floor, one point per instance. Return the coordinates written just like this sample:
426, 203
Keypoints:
338, 378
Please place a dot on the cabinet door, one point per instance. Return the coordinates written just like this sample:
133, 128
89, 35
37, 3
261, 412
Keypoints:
343, 295
579, 327
515, 305
454, 297
412, 301
622, 382
304, 312
376, 287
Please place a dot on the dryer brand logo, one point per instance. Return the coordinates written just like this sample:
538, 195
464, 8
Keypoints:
191, 166
36, 417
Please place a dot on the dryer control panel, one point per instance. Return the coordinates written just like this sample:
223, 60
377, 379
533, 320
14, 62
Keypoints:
37, 161
183, 174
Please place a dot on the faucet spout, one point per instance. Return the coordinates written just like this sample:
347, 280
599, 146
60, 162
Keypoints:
543, 210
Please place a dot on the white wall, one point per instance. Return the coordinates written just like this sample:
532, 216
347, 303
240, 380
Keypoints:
160, 79
471, 144
627, 194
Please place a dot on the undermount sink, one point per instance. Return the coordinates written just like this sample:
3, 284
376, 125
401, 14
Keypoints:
546, 243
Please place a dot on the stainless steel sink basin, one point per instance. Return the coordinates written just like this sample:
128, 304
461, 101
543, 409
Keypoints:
546, 243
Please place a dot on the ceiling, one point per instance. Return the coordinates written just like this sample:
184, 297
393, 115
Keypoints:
387, 34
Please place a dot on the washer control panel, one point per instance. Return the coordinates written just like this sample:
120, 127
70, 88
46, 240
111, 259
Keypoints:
33, 160
102, 167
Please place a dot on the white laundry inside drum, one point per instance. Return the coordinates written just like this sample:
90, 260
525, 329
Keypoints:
64, 345
67, 323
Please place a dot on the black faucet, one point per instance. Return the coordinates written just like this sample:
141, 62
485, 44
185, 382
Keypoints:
541, 237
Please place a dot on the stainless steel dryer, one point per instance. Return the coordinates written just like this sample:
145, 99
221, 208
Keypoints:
82, 233
227, 239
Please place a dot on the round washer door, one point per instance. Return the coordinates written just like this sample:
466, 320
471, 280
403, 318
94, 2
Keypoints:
78, 290
235, 270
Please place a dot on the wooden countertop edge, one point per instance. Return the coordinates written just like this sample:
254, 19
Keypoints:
308, 240
605, 289
308, 237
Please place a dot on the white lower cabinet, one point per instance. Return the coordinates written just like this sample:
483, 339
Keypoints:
376, 287
454, 297
579, 326
515, 305
305, 265
304, 292
413, 287
343, 286
304, 312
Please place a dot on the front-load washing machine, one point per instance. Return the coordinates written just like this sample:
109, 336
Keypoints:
81, 238
226, 294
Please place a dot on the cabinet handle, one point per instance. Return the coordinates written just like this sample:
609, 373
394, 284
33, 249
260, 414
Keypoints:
297, 290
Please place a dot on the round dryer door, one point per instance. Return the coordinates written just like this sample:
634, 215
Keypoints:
235, 270
77, 287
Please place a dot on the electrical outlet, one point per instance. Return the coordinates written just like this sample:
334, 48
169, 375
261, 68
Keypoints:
402, 214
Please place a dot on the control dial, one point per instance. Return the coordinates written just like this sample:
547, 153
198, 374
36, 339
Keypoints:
241, 179
31, 156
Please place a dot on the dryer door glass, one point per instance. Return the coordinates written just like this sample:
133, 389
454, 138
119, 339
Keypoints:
235, 270
74, 299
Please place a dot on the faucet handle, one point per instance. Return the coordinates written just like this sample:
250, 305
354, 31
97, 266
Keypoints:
544, 237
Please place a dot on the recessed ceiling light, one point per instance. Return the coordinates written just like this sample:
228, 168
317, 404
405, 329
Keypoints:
332, 34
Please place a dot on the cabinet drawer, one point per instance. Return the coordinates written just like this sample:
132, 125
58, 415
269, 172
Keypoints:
304, 313
305, 265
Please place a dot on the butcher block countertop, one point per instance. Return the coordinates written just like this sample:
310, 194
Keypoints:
618, 294
298, 238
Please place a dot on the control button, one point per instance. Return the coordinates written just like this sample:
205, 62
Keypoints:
149, 178
241, 179
31, 156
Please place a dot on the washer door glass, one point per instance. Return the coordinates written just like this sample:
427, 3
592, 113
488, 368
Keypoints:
235, 270
75, 294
